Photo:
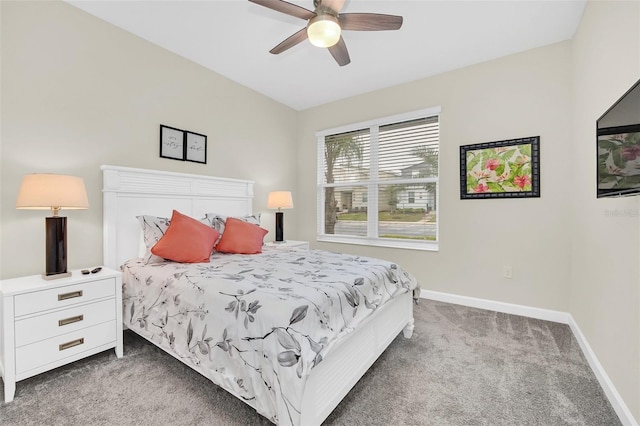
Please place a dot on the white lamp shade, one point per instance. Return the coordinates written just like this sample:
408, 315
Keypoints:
323, 30
48, 191
280, 200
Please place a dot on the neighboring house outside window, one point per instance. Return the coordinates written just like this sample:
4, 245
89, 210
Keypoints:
378, 182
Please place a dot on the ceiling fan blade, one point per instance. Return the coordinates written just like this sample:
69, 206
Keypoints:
369, 22
340, 53
286, 7
335, 5
290, 42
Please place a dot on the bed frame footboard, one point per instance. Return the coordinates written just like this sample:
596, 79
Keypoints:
333, 378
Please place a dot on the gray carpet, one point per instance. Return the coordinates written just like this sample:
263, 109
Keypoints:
463, 366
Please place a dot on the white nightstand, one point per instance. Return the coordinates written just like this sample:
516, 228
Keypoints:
289, 244
46, 324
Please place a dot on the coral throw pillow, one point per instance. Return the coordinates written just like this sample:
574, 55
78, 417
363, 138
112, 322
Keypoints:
186, 240
241, 237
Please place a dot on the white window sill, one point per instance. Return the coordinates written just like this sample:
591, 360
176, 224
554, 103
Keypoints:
381, 242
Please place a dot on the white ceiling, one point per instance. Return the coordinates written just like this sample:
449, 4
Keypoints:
233, 38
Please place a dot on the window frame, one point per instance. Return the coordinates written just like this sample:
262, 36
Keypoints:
373, 184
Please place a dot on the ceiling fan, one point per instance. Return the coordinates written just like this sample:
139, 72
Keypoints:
325, 24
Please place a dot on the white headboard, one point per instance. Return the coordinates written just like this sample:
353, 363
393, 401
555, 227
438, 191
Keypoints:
129, 192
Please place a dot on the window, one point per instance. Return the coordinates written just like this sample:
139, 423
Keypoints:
378, 182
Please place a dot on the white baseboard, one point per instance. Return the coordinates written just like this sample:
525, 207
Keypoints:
609, 389
607, 386
491, 305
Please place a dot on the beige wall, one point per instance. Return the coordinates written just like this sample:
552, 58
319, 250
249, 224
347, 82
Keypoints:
78, 92
522, 95
605, 284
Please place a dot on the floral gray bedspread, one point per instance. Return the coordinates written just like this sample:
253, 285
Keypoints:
257, 324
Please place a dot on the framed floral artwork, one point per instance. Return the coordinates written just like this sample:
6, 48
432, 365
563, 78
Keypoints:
502, 169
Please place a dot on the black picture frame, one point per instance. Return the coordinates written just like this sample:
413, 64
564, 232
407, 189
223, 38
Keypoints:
172, 143
501, 169
196, 147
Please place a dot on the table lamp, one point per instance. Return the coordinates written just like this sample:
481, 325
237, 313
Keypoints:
280, 200
40, 191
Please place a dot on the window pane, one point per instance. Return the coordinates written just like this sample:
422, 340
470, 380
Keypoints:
407, 211
409, 149
385, 168
347, 157
345, 212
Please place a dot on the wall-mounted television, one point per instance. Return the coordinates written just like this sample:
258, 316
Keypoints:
618, 147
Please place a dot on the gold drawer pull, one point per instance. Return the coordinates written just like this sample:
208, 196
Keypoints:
71, 344
70, 320
70, 295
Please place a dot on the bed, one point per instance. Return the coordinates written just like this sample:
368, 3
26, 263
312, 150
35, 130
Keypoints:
287, 331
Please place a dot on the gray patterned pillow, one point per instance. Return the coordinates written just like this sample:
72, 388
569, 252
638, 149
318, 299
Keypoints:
217, 221
153, 228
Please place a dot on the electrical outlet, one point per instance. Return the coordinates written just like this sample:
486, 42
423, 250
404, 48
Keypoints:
507, 272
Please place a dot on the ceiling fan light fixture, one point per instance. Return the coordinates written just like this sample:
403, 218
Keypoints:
323, 30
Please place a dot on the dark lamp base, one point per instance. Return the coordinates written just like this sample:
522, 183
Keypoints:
56, 248
279, 227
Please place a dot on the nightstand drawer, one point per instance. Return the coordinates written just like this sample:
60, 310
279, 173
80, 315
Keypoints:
60, 297
45, 326
51, 350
